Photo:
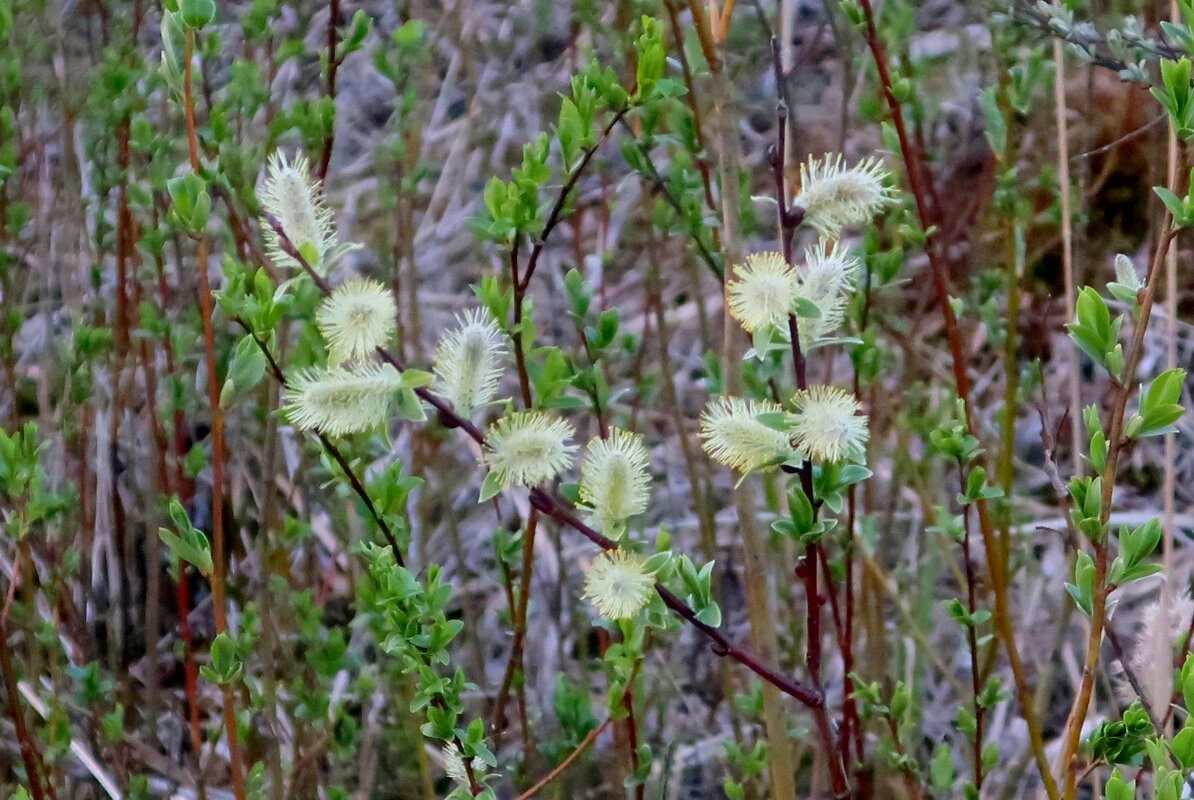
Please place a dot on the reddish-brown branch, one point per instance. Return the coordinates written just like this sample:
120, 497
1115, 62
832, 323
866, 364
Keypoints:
354, 481
915, 168
690, 98
911, 782
29, 751
333, 68
788, 220
1072, 733
520, 360
557, 210
632, 729
555, 508
563, 765
972, 642
190, 671
519, 614
218, 455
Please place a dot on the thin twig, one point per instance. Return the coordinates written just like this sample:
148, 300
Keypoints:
1060, 108
972, 643
236, 763
557, 210
1072, 733
788, 219
333, 68
29, 751
353, 480
997, 564
563, 765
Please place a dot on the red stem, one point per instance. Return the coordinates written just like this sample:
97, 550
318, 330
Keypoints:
29, 752
997, 565
972, 643
217, 448
333, 67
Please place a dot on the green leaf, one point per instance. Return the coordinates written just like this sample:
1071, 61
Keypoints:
409, 33
710, 615
806, 308
309, 253
408, 406
491, 487
191, 202
197, 13
415, 378
246, 371
1183, 746
1172, 202
1159, 407
607, 328
1082, 589
1118, 788
195, 461
941, 768
1187, 681
191, 546
996, 128
225, 666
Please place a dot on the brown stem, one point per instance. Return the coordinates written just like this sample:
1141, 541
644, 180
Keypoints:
997, 565
690, 97
29, 752
153, 544
520, 623
219, 606
788, 219
557, 210
851, 722
972, 643
660, 184
520, 360
1072, 733
354, 481
1130, 674
190, 671
632, 729
563, 765
519, 614
553, 507
911, 783
333, 67
806, 570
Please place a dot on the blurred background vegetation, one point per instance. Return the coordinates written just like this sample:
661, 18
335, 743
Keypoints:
406, 110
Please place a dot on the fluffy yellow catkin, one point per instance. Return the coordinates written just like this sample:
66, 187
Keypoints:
761, 292
732, 435
827, 425
826, 278
292, 197
614, 482
468, 362
1126, 274
454, 766
340, 401
358, 318
527, 448
618, 584
834, 196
